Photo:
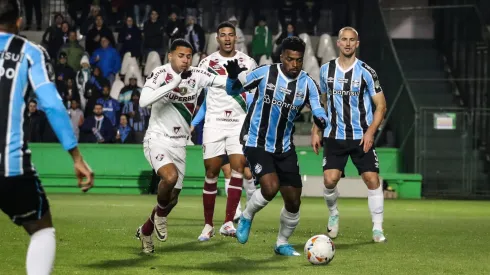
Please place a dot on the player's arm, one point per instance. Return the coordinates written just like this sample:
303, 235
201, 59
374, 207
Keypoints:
319, 114
239, 81
201, 114
153, 90
41, 74
377, 95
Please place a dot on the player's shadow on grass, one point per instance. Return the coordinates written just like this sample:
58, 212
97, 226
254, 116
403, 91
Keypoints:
235, 265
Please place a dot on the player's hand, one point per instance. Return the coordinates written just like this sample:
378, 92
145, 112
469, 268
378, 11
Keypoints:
367, 140
84, 174
316, 142
233, 69
185, 74
192, 128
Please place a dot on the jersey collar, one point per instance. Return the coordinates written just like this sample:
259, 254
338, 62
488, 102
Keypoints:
348, 69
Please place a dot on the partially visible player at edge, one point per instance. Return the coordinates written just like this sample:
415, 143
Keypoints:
350, 85
172, 91
22, 197
282, 91
223, 121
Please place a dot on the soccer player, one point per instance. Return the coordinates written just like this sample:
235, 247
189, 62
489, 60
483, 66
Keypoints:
282, 91
172, 91
351, 85
223, 121
24, 64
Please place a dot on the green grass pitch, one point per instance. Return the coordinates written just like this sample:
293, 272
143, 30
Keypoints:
95, 235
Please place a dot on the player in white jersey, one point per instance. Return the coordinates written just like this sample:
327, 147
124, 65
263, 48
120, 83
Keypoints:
172, 91
223, 122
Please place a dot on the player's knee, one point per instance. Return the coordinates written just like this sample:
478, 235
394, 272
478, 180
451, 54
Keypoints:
269, 190
371, 180
331, 179
170, 178
293, 206
211, 174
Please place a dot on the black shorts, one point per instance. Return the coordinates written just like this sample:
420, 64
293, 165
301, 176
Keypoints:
336, 153
224, 160
285, 165
22, 198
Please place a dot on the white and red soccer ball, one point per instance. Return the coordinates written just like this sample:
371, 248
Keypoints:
319, 250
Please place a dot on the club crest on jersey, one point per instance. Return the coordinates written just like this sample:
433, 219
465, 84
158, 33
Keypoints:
169, 77
228, 113
356, 83
176, 130
159, 157
300, 94
192, 83
240, 59
258, 168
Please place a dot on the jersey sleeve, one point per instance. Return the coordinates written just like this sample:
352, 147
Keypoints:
252, 79
156, 78
371, 77
314, 99
323, 78
158, 84
40, 74
201, 114
207, 79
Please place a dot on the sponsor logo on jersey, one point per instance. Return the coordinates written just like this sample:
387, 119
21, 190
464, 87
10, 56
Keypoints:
330, 80
343, 80
342, 92
169, 77
270, 86
156, 75
240, 59
6, 55
279, 103
285, 90
227, 113
177, 98
176, 130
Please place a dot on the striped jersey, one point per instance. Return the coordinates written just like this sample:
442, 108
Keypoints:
278, 100
349, 92
23, 65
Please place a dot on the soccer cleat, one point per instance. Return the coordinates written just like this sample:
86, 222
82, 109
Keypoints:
160, 227
286, 250
206, 234
333, 226
227, 229
243, 229
378, 236
146, 242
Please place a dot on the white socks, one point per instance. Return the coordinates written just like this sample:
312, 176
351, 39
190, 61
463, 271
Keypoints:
41, 252
376, 206
288, 223
249, 186
330, 196
254, 205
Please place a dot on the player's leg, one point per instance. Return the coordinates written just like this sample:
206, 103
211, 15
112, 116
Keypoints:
248, 181
264, 171
212, 152
368, 167
24, 200
291, 187
226, 168
335, 156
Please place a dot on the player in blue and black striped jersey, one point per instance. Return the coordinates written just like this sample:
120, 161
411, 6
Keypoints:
351, 87
22, 198
282, 91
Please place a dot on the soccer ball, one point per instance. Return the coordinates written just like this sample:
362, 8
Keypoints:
319, 249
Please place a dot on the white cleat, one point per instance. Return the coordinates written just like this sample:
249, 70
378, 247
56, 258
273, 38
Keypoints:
146, 242
379, 236
206, 234
333, 226
227, 229
160, 227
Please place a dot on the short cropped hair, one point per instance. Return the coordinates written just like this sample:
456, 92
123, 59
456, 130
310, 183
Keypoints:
348, 29
293, 43
9, 11
181, 43
225, 24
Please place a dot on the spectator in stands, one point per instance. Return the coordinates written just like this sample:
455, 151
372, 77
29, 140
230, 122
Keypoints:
97, 128
65, 29
62, 72
195, 35
53, 36
289, 31
111, 106
262, 40
89, 22
73, 50
175, 29
130, 39
94, 35
127, 92
119, 10
29, 6
36, 120
253, 5
93, 90
310, 13
138, 116
83, 76
240, 43
72, 93
153, 35
137, 5
287, 13
107, 59
125, 134
76, 116
74, 8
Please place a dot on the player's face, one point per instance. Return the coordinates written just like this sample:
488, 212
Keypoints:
348, 43
180, 59
292, 62
226, 39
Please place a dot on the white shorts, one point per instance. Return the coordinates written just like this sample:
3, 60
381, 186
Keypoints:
159, 154
217, 142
